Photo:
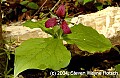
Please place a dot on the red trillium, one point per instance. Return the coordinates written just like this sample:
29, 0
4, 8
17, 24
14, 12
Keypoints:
59, 21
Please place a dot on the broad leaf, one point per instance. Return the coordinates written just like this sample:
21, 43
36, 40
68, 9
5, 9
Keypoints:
88, 39
39, 24
32, 5
86, 1
99, 6
41, 54
117, 67
24, 10
31, 24
24, 2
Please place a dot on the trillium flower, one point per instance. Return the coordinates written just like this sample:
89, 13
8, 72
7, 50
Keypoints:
59, 20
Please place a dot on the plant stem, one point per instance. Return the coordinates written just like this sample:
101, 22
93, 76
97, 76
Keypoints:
5, 72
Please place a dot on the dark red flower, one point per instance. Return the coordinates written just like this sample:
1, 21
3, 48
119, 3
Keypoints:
65, 27
59, 21
61, 11
51, 22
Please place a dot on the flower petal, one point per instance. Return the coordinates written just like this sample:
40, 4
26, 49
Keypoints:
61, 11
65, 27
50, 22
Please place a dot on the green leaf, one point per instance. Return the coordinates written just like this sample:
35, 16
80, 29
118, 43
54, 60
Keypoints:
40, 54
99, 6
24, 10
86, 1
117, 67
24, 2
32, 5
39, 24
31, 24
88, 39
